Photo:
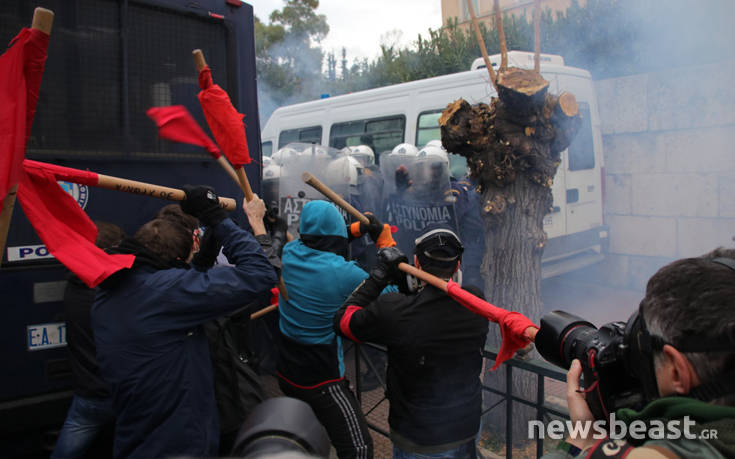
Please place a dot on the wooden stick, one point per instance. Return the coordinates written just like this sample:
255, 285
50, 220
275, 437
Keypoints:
238, 174
481, 42
199, 60
264, 311
228, 168
43, 20
7, 213
537, 36
244, 183
156, 191
334, 197
501, 37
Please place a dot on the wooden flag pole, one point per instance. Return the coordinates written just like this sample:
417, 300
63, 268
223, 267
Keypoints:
334, 197
156, 191
238, 174
264, 311
43, 20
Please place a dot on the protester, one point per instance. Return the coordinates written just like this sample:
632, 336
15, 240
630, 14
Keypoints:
689, 310
319, 278
434, 350
147, 323
91, 411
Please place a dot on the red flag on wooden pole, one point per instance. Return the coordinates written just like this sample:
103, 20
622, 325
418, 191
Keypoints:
21, 68
64, 227
224, 121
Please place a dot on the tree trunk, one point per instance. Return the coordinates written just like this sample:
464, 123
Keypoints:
513, 148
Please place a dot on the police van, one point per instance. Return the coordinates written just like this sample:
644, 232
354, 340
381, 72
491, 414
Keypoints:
409, 112
108, 62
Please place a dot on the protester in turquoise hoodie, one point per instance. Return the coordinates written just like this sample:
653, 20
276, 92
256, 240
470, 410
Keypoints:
319, 279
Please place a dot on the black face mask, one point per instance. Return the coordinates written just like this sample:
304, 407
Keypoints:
334, 244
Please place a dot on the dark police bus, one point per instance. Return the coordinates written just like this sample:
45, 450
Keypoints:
108, 62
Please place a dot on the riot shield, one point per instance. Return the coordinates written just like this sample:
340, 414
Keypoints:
417, 195
293, 193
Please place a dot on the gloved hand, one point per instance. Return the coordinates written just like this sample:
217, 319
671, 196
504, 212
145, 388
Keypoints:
358, 228
202, 203
403, 180
276, 227
386, 269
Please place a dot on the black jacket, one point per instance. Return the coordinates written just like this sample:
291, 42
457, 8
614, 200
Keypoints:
78, 299
434, 359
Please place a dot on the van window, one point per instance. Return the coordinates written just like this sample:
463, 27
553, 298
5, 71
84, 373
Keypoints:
582, 148
312, 134
380, 134
427, 127
267, 148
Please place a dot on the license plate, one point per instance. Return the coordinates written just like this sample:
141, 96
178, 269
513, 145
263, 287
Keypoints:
46, 336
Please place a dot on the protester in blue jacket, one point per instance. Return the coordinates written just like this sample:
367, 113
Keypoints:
147, 328
319, 279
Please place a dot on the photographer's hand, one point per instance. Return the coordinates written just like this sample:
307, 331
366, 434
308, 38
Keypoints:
579, 411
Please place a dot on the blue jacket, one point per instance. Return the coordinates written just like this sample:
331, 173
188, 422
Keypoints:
154, 355
318, 282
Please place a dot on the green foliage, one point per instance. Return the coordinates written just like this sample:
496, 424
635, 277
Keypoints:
288, 65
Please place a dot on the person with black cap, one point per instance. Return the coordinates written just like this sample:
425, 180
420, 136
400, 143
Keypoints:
434, 349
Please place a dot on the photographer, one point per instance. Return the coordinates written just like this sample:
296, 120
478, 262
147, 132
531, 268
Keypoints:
681, 354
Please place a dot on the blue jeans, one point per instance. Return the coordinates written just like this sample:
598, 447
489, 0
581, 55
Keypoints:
85, 419
465, 451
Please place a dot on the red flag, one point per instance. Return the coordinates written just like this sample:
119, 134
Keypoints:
224, 121
513, 324
62, 225
21, 68
66, 174
176, 124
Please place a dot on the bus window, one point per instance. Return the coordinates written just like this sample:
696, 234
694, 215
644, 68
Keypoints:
267, 148
582, 148
312, 134
427, 127
380, 134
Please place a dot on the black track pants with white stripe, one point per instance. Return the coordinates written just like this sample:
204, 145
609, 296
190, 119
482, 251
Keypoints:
337, 409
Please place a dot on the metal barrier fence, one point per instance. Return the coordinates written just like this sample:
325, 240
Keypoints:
539, 367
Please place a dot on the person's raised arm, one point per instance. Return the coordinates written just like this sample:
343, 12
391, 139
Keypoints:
359, 318
197, 296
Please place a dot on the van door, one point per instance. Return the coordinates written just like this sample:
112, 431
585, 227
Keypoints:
555, 222
583, 181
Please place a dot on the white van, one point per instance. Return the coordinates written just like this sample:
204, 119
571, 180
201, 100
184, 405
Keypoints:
409, 112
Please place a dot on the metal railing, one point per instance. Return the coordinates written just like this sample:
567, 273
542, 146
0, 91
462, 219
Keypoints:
539, 367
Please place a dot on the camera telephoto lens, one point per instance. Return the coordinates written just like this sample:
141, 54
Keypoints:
281, 426
559, 335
